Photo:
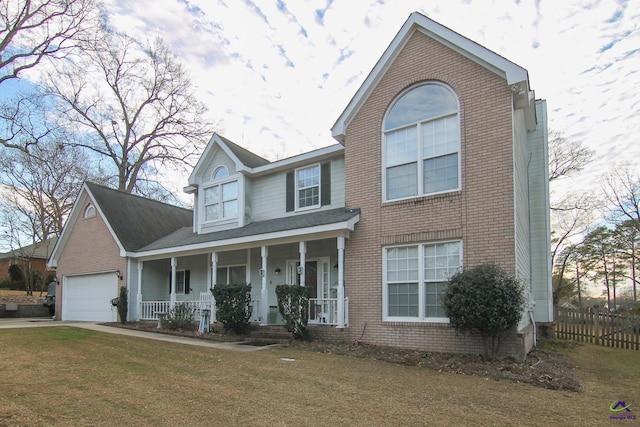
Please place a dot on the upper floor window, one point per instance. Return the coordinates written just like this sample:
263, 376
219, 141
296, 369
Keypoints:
221, 198
422, 143
309, 187
220, 172
89, 211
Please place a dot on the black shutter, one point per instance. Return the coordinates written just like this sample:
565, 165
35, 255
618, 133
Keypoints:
291, 192
187, 274
170, 277
325, 184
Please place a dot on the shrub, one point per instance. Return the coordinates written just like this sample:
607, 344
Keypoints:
180, 317
233, 306
293, 304
485, 300
17, 277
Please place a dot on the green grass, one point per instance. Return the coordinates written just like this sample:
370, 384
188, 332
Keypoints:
69, 376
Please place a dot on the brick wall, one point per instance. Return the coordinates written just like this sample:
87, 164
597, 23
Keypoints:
90, 248
481, 214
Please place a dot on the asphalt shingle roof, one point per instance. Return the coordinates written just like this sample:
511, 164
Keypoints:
245, 156
186, 237
138, 221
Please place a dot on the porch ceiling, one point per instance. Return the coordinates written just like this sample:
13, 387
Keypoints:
323, 222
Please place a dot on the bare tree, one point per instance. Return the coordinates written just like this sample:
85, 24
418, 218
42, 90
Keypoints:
132, 104
32, 31
566, 157
39, 189
621, 187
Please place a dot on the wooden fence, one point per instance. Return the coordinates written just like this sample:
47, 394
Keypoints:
606, 329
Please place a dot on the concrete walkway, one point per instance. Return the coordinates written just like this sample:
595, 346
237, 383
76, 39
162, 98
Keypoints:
44, 322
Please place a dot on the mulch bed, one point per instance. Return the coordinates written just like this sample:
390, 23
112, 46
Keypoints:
546, 368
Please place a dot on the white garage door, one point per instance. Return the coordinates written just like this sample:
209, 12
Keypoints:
88, 297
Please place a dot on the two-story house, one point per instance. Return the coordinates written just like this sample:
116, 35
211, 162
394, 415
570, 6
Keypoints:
441, 164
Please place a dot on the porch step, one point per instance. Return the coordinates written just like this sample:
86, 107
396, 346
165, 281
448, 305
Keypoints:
270, 333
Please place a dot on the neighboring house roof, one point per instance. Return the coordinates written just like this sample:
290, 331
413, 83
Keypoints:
318, 221
514, 75
40, 250
137, 221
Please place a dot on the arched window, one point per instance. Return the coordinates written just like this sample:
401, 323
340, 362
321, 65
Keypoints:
221, 198
220, 172
422, 143
89, 211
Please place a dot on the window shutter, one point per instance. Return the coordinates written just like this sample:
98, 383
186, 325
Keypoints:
325, 184
170, 284
187, 274
291, 192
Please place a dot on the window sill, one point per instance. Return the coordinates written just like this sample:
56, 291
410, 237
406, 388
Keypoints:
424, 200
435, 322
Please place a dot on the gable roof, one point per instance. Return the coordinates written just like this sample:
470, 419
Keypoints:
137, 221
514, 75
133, 221
243, 158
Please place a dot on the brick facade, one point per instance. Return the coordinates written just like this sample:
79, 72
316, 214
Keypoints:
481, 215
90, 248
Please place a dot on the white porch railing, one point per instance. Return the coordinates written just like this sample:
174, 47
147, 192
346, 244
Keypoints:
255, 310
149, 310
322, 311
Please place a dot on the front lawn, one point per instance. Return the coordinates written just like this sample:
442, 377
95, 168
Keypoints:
71, 376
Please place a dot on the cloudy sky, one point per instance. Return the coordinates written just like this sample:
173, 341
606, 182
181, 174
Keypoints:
277, 74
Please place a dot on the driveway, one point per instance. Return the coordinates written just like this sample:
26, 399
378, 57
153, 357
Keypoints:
44, 322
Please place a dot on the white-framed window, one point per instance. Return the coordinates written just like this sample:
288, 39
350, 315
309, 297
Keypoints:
414, 277
421, 143
221, 198
233, 274
182, 282
308, 187
89, 211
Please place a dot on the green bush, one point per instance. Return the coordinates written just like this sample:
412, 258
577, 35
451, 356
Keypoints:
293, 304
17, 277
180, 317
484, 300
233, 306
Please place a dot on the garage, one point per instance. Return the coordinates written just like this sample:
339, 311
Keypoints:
88, 297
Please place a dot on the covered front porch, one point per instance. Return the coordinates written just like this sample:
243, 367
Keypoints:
310, 256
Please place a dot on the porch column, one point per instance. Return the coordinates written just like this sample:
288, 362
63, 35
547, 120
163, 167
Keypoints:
264, 302
172, 296
341, 241
139, 295
214, 280
303, 253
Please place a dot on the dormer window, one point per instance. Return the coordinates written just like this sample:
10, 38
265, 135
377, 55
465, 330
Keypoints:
220, 172
221, 198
